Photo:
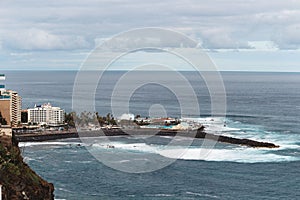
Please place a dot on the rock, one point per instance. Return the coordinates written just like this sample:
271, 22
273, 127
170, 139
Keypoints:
17, 179
231, 140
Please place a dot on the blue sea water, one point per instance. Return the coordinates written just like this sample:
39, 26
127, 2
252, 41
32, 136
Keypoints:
261, 106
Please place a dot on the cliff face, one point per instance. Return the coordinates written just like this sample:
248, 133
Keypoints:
17, 179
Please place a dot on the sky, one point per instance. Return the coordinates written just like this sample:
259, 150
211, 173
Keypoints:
238, 35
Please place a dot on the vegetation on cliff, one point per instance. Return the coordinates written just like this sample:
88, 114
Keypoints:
17, 179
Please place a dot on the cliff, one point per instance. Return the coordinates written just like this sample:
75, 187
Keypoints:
17, 179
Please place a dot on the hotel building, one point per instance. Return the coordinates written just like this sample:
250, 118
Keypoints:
46, 114
10, 104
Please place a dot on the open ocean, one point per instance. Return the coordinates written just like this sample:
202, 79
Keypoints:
260, 106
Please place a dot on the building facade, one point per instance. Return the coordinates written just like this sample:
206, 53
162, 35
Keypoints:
2, 78
46, 114
10, 105
16, 108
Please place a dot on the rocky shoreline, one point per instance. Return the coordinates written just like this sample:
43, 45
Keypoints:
132, 132
17, 179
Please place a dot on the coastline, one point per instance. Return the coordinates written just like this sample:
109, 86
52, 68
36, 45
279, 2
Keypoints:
18, 180
34, 137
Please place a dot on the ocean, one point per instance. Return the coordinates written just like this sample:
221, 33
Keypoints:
263, 106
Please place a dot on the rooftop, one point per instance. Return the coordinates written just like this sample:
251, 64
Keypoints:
45, 106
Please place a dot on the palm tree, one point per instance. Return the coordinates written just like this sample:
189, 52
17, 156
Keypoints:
2, 120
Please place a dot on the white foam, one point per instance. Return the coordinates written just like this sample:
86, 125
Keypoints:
202, 195
238, 154
28, 159
244, 155
54, 143
206, 120
124, 161
290, 146
159, 195
221, 128
141, 147
214, 125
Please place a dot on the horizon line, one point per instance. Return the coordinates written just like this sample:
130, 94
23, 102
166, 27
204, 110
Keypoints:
124, 70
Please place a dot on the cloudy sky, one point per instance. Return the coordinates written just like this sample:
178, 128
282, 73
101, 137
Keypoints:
247, 35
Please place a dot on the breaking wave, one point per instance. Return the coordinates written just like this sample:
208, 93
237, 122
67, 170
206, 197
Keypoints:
289, 148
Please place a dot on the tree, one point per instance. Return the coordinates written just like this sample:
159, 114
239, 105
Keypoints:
69, 119
2, 120
108, 118
100, 119
137, 116
24, 117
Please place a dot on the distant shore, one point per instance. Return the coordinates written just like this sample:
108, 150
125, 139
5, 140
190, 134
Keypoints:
39, 137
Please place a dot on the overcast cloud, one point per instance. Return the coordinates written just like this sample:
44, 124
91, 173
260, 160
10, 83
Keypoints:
74, 25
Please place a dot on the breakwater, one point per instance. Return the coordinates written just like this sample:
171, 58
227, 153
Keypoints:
35, 137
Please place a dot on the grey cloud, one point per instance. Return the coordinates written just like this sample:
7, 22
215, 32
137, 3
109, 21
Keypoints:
219, 23
289, 37
36, 39
221, 38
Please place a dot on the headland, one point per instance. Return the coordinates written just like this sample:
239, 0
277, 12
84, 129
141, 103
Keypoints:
17, 179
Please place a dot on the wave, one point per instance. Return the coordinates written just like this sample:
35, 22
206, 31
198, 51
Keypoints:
231, 115
139, 147
238, 154
55, 143
234, 154
159, 195
289, 148
233, 128
228, 155
202, 195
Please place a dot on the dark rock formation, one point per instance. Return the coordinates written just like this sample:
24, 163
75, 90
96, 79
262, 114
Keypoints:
231, 140
17, 179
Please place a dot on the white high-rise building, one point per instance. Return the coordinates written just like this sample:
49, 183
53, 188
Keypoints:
2, 85
10, 104
46, 114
